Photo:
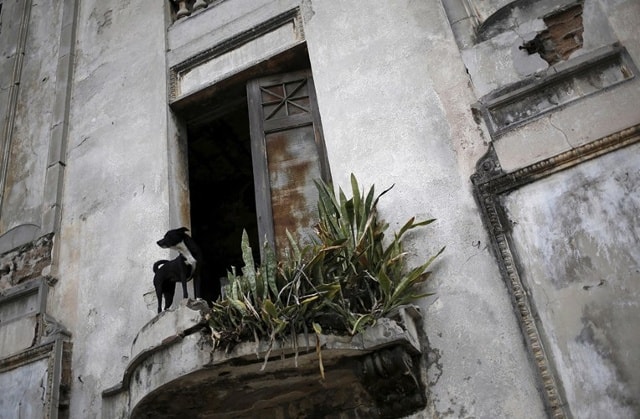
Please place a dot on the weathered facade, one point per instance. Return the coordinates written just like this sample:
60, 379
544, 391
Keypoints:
514, 123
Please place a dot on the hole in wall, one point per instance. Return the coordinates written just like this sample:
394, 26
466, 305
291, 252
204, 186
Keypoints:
562, 37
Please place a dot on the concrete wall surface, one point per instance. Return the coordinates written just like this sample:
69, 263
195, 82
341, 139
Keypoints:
576, 236
394, 100
97, 165
31, 46
116, 190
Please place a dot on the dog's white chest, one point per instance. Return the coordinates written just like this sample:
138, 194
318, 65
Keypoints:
184, 251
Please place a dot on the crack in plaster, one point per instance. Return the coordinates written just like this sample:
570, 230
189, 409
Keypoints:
85, 139
480, 250
566, 138
43, 387
434, 360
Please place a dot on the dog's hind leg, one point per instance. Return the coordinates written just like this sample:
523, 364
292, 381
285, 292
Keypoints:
168, 296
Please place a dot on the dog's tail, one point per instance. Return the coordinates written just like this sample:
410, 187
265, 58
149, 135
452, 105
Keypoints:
158, 264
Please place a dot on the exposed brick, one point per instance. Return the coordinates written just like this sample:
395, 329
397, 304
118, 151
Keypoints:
562, 36
25, 262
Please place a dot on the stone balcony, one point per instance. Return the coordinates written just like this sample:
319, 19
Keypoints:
175, 372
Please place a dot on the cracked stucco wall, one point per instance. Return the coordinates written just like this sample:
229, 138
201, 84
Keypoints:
23, 391
577, 234
395, 104
116, 193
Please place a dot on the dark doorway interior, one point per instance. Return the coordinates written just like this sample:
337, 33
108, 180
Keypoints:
221, 190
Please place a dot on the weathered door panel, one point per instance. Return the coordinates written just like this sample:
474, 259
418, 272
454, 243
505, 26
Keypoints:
288, 155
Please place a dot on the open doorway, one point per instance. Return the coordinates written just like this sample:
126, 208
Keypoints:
238, 161
221, 189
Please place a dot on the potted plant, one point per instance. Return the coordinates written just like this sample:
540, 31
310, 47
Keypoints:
343, 282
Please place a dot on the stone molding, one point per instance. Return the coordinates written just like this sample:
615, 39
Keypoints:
291, 16
57, 157
51, 204
515, 105
489, 183
8, 115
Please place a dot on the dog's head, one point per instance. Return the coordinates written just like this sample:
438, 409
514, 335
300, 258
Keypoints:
173, 237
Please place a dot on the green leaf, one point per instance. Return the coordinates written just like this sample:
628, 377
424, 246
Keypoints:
239, 305
385, 284
270, 270
357, 216
269, 308
309, 299
359, 324
368, 203
411, 224
249, 269
413, 277
234, 284
297, 255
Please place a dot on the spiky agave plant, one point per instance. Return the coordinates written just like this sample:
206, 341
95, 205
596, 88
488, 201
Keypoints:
269, 302
372, 273
344, 281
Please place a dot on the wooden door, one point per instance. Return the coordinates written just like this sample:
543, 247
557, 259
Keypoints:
288, 155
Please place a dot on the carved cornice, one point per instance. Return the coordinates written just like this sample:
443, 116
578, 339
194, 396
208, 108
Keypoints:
489, 182
555, 88
490, 177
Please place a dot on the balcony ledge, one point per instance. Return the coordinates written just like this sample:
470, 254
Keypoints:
174, 371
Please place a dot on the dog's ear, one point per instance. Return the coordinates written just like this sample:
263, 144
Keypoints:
183, 229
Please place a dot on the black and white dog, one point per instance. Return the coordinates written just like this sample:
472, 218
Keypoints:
167, 274
206, 286
182, 243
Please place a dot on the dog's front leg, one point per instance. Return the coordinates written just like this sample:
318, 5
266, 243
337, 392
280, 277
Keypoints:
184, 289
197, 286
159, 297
